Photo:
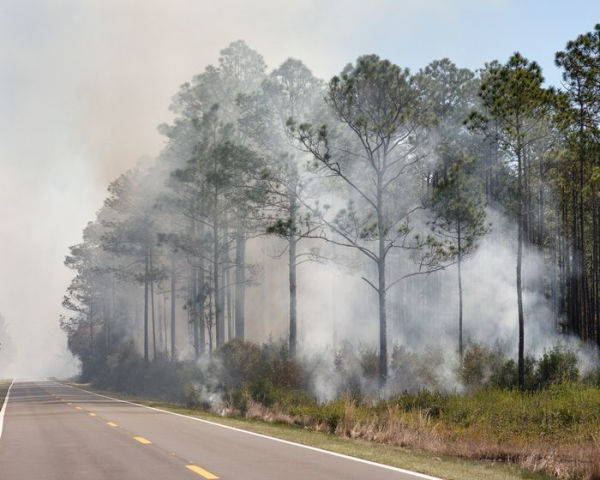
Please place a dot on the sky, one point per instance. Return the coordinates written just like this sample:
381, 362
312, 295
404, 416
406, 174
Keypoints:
84, 84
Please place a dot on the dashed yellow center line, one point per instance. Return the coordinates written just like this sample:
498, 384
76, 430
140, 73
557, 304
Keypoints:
201, 471
143, 440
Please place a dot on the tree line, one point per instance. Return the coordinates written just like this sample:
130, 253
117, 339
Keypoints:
397, 170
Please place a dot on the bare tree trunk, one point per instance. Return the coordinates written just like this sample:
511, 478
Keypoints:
113, 309
584, 288
382, 322
292, 189
227, 297
519, 280
210, 324
195, 326
460, 292
91, 322
555, 269
541, 206
219, 320
146, 305
240, 284
173, 300
201, 315
381, 286
161, 321
595, 289
164, 324
152, 306
292, 286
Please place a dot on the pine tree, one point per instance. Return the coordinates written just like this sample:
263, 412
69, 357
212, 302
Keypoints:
515, 101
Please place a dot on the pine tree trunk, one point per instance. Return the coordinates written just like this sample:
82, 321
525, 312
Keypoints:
161, 322
575, 300
460, 291
194, 307
91, 322
519, 280
219, 326
173, 300
240, 284
210, 326
113, 309
541, 215
202, 294
556, 247
292, 246
146, 305
152, 307
381, 286
164, 324
595, 267
383, 371
227, 297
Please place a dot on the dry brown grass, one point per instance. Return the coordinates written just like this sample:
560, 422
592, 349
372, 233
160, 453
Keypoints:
595, 468
419, 431
594, 471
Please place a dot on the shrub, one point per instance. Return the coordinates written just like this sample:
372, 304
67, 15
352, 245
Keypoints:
280, 368
559, 365
350, 365
122, 370
240, 363
193, 396
263, 391
507, 375
238, 398
488, 367
434, 403
369, 361
413, 372
480, 364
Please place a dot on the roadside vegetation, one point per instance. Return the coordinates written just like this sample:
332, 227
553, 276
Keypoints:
446, 467
551, 428
4, 386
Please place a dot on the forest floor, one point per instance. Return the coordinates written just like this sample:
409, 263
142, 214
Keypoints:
450, 467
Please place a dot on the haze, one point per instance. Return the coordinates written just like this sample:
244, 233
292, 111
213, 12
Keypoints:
83, 86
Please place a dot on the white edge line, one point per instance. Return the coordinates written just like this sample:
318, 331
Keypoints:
4, 407
287, 442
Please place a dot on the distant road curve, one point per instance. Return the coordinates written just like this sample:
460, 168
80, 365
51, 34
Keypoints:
59, 432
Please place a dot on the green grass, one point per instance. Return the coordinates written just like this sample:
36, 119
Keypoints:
563, 415
567, 414
446, 467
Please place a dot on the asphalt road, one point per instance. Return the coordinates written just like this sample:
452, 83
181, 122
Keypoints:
57, 432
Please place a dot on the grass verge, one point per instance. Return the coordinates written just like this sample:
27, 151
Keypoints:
446, 467
4, 386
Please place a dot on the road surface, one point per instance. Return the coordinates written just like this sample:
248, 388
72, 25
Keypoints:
58, 432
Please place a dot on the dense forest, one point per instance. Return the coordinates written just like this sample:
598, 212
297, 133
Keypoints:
381, 225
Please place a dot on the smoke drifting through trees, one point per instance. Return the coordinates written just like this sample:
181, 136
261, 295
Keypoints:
384, 209
6, 347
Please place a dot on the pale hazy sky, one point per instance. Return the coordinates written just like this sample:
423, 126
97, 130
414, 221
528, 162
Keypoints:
83, 85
